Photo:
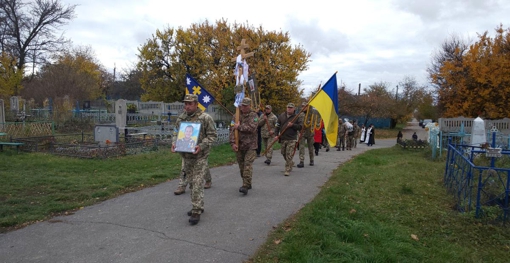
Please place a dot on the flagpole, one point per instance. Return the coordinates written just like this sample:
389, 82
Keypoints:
225, 108
218, 102
317, 93
277, 137
284, 129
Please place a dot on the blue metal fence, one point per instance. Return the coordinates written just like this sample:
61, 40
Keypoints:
482, 188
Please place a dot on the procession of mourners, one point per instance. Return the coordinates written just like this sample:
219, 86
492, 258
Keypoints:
296, 131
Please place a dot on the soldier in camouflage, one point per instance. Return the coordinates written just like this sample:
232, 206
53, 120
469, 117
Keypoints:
342, 134
247, 135
267, 123
195, 163
310, 119
287, 128
357, 133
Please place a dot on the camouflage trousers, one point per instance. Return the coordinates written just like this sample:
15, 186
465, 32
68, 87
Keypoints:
183, 179
245, 160
269, 151
195, 170
340, 142
288, 153
350, 141
309, 143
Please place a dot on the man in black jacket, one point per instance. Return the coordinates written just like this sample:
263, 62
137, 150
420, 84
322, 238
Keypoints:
287, 128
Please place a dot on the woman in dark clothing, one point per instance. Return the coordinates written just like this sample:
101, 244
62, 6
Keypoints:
371, 135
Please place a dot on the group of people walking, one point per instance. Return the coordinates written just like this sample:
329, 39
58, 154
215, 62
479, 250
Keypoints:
295, 131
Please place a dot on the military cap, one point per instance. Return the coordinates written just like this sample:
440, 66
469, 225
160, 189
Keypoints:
246, 102
269, 107
190, 98
304, 104
290, 105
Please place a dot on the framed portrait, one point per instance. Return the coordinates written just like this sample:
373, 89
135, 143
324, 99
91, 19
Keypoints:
187, 137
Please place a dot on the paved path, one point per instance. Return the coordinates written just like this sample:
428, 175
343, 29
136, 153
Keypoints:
412, 127
151, 225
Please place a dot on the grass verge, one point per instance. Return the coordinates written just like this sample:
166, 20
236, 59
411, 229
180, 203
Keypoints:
386, 205
37, 186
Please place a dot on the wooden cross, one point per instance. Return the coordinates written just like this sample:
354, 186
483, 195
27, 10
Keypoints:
241, 49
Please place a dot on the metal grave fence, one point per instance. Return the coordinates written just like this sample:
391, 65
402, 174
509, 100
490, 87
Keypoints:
483, 187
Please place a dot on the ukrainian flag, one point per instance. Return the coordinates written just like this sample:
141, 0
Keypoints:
204, 97
326, 103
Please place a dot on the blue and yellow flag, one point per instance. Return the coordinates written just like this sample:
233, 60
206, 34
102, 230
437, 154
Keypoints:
204, 97
326, 103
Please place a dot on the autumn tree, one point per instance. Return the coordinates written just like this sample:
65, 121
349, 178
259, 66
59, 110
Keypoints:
128, 87
28, 31
75, 73
407, 101
479, 84
426, 108
375, 102
452, 52
10, 78
206, 51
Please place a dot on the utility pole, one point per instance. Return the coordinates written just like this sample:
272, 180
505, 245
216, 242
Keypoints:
359, 89
396, 94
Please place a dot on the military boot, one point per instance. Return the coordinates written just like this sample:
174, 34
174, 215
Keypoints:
195, 217
301, 165
243, 190
208, 185
190, 212
311, 162
180, 190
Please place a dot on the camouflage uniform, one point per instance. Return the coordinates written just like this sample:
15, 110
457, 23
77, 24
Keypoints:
246, 150
357, 133
267, 131
183, 179
310, 118
195, 165
288, 138
350, 136
342, 131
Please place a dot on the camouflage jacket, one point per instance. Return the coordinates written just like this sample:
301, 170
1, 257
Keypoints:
207, 136
267, 126
357, 130
342, 129
247, 130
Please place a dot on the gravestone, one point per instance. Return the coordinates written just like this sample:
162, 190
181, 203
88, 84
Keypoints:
14, 104
120, 114
2, 113
106, 134
478, 135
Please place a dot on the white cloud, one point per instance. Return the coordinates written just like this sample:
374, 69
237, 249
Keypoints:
366, 41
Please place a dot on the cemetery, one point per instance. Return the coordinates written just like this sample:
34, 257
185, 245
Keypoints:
106, 130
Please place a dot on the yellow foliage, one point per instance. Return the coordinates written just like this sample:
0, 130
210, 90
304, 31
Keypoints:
479, 84
206, 50
10, 76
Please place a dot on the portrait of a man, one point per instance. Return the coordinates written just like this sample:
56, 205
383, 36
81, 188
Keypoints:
188, 134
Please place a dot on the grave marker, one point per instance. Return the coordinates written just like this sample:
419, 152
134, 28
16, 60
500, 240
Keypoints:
120, 114
14, 104
478, 135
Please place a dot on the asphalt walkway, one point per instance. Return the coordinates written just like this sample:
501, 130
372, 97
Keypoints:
151, 225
